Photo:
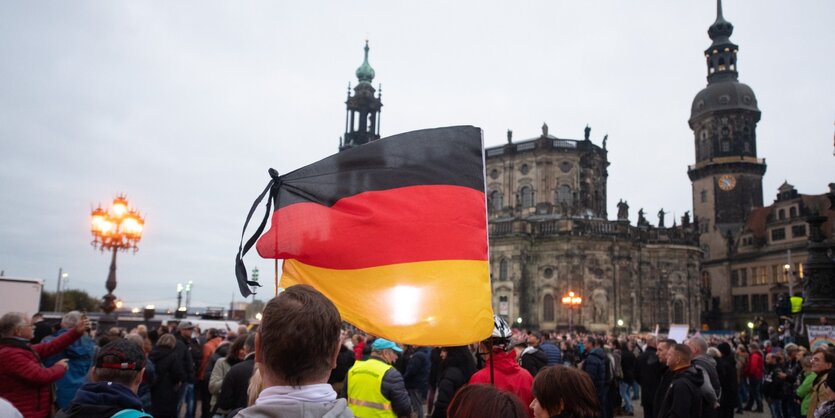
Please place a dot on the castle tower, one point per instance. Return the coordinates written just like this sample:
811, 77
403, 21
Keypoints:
727, 176
362, 118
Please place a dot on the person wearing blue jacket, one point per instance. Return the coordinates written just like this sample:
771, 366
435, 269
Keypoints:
80, 355
551, 350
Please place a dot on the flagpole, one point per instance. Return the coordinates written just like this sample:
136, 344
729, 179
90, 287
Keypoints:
276, 277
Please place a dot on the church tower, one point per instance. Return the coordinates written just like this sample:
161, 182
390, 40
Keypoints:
362, 118
727, 176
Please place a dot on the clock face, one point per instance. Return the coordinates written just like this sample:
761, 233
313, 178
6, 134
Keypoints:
727, 182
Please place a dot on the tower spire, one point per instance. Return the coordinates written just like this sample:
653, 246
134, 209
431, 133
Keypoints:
721, 54
365, 74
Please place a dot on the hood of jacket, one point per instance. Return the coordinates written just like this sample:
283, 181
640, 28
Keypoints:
334, 409
106, 394
598, 352
505, 361
692, 375
160, 352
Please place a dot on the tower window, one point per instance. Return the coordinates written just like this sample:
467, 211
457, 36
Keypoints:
792, 212
564, 195
726, 146
527, 196
548, 308
703, 195
503, 269
495, 200
781, 214
746, 146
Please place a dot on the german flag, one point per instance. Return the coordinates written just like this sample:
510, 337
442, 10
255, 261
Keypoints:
394, 232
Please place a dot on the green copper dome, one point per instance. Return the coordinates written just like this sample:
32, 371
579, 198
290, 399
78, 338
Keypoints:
365, 73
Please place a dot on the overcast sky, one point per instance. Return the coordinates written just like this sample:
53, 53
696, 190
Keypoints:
183, 106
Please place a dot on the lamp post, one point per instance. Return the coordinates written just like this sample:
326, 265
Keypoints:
571, 300
114, 230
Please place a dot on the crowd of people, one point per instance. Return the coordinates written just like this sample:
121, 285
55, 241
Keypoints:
303, 362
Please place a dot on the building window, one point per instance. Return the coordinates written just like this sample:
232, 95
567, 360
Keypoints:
759, 303
548, 308
726, 146
781, 214
798, 231
746, 146
792, 212
743, 277
760, 276
504, 305
503, 269
495, 200
781, 275
798, 270
703, 195
678, 312
778, 234
706, 250
740, 303
527, 196
564, 195
734, 278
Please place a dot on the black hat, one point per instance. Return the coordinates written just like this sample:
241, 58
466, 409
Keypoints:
121, 355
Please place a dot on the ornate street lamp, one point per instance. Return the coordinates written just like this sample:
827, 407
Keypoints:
118, 229
571, 300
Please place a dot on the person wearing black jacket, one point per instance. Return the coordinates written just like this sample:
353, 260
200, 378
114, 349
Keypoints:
169, 377
185, 351
726, 368
627, 363
684, 398
233, 391
458, 365
416, 378
533, 358
663, 376
344, 361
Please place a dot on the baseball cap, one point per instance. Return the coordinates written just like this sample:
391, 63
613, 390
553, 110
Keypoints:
382, 344
121, 355
184, 325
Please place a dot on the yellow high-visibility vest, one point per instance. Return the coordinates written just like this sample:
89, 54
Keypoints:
365, 380
797, 304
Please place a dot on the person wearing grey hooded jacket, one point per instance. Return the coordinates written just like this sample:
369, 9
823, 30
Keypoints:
295, 349
705, 364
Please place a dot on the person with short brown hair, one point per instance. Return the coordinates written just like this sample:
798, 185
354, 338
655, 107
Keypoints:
684, 398
295, 349
564, 391
485, 401
115, 376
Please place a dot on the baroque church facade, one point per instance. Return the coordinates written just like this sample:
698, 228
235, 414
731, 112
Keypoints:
550, 235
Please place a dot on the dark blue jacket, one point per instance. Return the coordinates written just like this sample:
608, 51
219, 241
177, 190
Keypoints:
551, 351
595, 366
101, 399
417, 370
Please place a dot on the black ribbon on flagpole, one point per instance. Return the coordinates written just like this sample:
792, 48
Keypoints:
240, 269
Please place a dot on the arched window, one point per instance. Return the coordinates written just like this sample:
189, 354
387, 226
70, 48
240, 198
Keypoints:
792, 212
495, 200
548, 308
564, 194
503, 269
781, 214
678, 312
527, 196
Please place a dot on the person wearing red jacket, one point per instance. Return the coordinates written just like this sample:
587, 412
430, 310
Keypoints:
754, 373
24, 381
507, 373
